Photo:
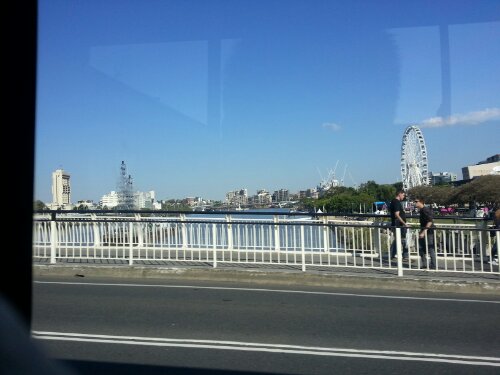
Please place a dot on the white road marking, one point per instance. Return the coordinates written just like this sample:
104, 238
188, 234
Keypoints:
271, 348
271, 290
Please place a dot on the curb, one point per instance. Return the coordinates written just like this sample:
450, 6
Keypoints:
284, 278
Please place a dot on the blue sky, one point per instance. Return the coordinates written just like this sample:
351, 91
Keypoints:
203, 97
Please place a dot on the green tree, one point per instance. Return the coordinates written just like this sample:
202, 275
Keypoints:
38, 205
440, 195
483, 190
386, 193
382, 193
347, 199
397, 186
369, 187
175, 205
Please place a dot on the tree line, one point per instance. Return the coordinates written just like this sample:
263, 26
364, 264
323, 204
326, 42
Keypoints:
483, 190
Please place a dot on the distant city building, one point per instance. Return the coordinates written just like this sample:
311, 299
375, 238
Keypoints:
262, 198
309, 193
110, 200
487, 167
491, 159
61, 190
191, 201
281, 195
438, 178
197, 203
237, 197
144, 200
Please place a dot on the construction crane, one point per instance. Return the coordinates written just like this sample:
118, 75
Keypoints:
125, 189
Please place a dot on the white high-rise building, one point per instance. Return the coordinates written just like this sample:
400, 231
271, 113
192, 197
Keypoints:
61, 190
110, 200
144, 199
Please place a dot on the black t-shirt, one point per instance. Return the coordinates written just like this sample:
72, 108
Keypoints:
426, 216
393, 208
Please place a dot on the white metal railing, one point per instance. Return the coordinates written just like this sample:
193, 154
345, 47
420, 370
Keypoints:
273, 240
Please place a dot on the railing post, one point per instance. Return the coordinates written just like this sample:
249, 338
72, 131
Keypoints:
53, 238
229, 233
376, 239
140, 233
214, 246
303, 247
184, 232
326, 237
97, 232
131, 243
485, 236
399, 251
276, 234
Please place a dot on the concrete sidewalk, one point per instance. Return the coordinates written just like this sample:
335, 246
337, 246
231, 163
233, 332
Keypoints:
285, 275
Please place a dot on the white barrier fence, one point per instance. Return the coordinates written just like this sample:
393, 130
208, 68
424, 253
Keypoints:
275, 240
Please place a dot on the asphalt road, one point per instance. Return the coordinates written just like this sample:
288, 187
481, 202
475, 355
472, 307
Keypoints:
146, 326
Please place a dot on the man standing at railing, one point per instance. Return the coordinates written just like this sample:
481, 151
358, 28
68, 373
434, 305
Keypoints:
494, 250
426, 234
398, 219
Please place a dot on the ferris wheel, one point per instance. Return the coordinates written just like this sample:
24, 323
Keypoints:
414, 164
